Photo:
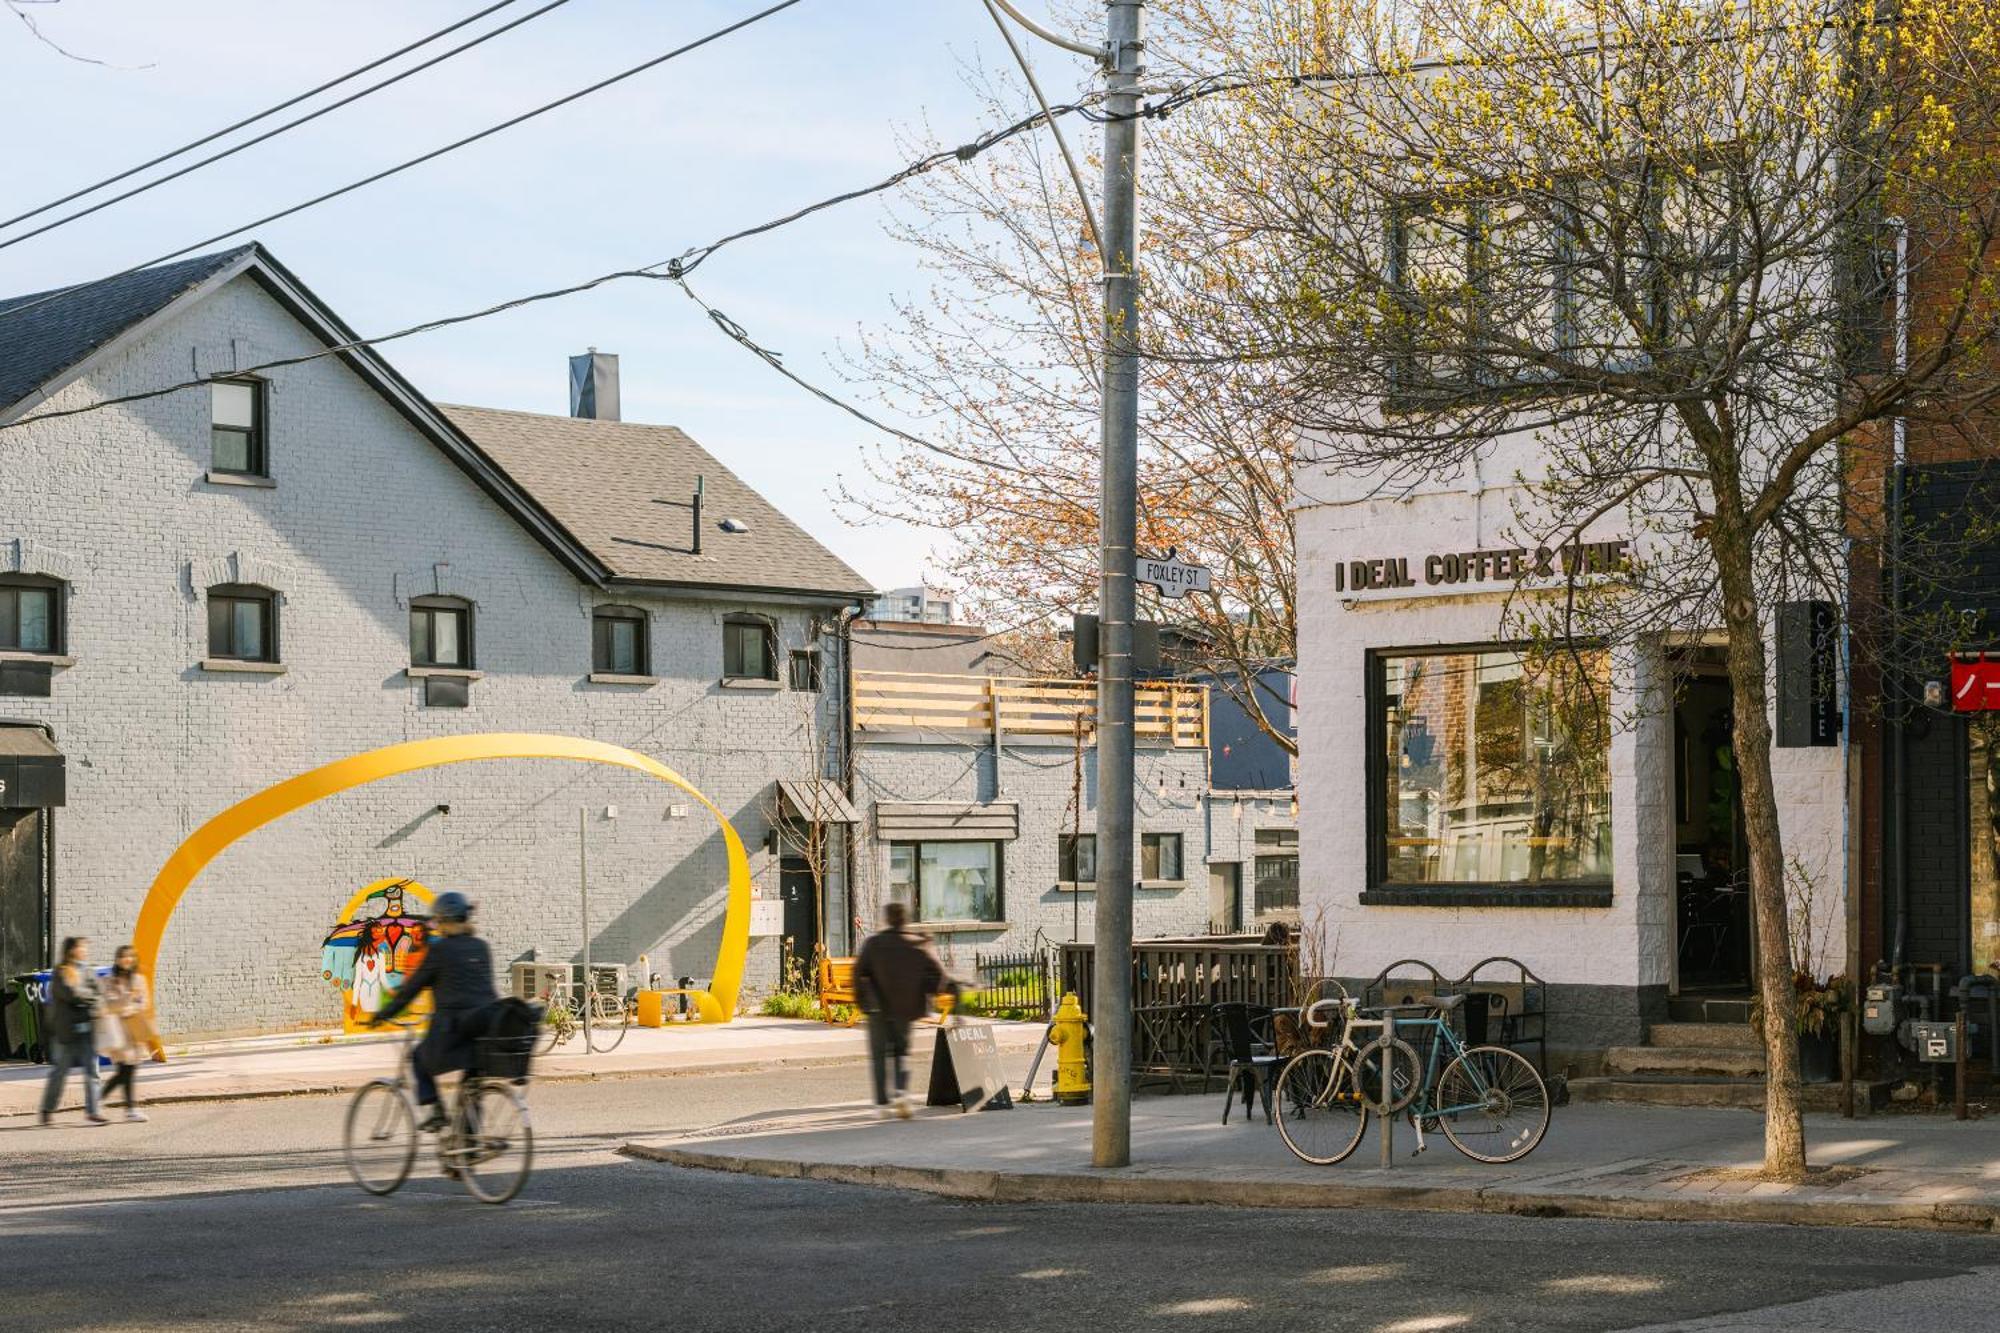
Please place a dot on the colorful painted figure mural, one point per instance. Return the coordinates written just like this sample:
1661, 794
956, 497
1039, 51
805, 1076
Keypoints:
379, 941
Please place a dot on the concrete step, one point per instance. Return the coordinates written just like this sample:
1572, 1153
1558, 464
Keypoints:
1658, 1090
1697, 1009
1685, 1061
1715, 1036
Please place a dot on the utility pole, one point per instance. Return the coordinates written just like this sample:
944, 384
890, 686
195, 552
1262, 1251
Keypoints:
1123, 59
1111, 1075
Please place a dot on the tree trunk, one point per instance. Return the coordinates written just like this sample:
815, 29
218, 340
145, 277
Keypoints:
1784, 1124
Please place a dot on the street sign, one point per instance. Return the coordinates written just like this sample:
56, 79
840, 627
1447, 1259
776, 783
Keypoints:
1975, 684
1174, 578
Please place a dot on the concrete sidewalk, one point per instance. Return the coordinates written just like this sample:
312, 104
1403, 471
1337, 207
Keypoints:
306, 1063
1597, 1161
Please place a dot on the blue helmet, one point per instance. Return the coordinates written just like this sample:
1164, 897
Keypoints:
452, 905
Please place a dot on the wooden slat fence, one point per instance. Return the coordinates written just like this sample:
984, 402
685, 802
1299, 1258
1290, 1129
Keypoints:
1171, 712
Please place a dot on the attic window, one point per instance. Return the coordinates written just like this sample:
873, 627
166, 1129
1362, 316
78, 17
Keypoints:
236, 428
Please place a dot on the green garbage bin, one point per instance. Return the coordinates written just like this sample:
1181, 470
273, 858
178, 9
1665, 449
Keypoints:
21, 1016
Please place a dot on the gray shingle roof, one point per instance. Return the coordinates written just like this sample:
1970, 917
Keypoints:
625, 491
38, 344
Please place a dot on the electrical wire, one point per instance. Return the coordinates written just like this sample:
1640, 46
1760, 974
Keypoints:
666, 270
252, 142
400, 167
285, 105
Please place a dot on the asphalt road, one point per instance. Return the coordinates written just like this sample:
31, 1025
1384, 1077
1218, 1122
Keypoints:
240, 1215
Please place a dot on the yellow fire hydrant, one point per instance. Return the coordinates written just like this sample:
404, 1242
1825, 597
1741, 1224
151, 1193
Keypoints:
1068, 1034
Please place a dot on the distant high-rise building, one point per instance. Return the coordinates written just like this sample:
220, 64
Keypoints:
920, 605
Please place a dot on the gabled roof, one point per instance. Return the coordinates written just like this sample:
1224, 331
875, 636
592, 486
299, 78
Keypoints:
626, 490
60, 329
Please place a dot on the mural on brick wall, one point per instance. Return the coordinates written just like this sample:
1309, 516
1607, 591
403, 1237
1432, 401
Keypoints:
379, 941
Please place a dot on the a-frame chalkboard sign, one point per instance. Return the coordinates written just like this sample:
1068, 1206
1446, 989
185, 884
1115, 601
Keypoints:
965, 1069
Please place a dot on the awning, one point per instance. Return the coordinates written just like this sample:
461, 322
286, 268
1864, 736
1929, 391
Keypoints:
818, 801
918, 821
31, 769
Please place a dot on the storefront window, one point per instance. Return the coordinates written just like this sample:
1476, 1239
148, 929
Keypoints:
1496, 767
946, 881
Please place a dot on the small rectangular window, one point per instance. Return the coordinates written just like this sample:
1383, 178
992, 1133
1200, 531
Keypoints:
240, 626
1076, 857
440, 636
1160, 856
805, 669
1277, 869
236, 427
748, 652
28, 619
618, 641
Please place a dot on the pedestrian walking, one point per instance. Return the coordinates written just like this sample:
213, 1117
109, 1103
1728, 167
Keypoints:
125, 1028
895, 975
74, 1004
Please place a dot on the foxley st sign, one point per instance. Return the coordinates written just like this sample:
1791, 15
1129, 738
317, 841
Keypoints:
1507, 564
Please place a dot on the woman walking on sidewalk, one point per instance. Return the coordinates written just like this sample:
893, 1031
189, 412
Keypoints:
125, 1030
74, 1004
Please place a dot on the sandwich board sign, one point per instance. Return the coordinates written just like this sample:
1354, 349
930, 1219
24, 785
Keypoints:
965, 1069
1174, 578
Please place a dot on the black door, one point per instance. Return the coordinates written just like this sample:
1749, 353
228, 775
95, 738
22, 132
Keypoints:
801, 939
24, 917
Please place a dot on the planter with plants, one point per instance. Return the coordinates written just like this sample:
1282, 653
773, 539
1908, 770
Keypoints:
1819, 1001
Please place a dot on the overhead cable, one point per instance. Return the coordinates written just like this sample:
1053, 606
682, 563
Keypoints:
403, 166
252, 142
285, 105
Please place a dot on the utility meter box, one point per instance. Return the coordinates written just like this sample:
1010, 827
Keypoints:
1879, 1007
1935, 1042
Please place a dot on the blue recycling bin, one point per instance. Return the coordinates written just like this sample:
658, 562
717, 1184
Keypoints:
25, 1013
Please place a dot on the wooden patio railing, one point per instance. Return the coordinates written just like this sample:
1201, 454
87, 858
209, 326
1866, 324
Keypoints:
1173, 713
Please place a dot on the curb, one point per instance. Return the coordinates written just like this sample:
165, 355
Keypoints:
340, 1085
987, 1186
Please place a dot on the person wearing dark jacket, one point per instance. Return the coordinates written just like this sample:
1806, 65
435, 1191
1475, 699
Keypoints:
458, 971
895, 975
74, 1003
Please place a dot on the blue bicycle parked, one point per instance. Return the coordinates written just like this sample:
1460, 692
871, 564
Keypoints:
1489, 1101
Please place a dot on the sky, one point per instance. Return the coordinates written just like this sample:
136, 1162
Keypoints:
824, 97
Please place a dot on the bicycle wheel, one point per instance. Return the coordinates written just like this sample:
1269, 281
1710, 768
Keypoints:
1492, 1097
492, 1144
609, 1021
1392, 1065
1320, 1115
381, 1136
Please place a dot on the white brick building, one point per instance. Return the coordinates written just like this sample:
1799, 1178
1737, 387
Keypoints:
1435, 822
233, 606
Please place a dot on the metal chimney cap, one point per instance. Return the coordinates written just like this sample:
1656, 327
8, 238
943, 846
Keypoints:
593, 385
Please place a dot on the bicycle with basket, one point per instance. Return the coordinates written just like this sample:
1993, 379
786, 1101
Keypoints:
488, 1141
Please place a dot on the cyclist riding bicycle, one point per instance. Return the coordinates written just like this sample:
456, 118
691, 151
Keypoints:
458, 971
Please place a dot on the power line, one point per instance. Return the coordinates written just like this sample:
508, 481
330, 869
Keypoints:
251, 120
252, 142
663, 271
400, 167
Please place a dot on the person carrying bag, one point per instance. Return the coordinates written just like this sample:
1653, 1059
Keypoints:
74, 1006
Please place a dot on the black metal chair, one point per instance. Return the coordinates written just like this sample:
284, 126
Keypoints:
1251, 1074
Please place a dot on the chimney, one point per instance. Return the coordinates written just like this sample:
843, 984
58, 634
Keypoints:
593, 385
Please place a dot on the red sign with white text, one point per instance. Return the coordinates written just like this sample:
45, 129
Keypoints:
1975, 684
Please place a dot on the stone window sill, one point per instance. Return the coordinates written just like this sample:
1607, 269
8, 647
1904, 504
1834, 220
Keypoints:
459, 673
615, 678
954, 927
1171, 885
53, 659
749, 683
1075, 886
229, 666
1488, 895
251, 480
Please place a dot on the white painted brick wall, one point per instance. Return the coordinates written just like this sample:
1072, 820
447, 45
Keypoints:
1632, 942
364, 511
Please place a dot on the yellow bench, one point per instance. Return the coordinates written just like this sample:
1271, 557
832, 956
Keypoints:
836, 986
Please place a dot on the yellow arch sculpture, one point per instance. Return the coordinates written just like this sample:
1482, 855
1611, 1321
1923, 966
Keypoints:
717, 1004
